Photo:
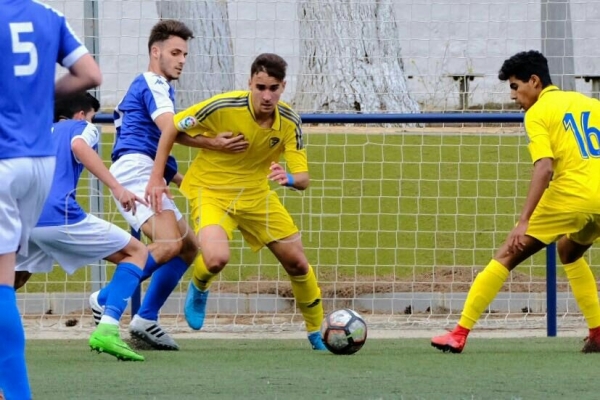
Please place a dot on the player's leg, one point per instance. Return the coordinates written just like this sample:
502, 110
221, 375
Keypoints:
214, 226
268, 223
571, 249
76, 245
484, 289
290, 253
546, 225
166, 268
133, 172
13, 379
25, 186
130, 261
144, 325
37, 261
214, 249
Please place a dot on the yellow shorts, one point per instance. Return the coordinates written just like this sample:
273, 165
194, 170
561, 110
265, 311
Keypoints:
261, 220
550, 222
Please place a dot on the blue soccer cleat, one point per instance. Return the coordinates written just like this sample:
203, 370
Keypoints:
316, 341
195, 306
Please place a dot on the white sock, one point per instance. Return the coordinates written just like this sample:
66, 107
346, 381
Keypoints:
108, 320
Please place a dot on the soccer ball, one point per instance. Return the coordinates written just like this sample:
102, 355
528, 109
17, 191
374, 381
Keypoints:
344, 331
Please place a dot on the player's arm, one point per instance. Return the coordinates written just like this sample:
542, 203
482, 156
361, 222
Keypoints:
543, 169
82, 147
84, 72
156, 186
295, 157
177, 179
298, 180
225, 141
540, 179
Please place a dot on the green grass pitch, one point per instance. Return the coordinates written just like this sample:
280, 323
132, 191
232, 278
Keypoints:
544, 368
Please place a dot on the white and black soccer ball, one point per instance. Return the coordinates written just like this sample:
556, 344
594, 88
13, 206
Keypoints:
344, 331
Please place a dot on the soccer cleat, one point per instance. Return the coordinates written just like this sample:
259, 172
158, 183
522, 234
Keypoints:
106, 339
453, 342
592, 342
195, 306
97, 309
151, 332
316, 341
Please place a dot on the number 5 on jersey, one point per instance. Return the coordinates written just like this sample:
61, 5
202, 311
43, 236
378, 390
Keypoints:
587, 137
22, 46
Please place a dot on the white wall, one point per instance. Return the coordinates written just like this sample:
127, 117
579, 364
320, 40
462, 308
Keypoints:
437, 37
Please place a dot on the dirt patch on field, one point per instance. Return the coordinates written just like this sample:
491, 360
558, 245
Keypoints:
441, 280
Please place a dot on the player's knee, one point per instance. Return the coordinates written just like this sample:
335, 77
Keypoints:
135, 248
171, 249
189, 249
215, 262
296, 267
567, 255
570, 251
189, 254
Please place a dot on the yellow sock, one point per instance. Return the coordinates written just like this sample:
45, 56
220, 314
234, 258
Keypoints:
485, 287
585, 290
202, 277
308, 297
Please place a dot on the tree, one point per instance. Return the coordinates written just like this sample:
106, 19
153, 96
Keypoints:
349, 58
209, 67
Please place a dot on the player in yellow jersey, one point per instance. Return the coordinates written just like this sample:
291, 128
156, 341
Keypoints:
229, 191
563, 201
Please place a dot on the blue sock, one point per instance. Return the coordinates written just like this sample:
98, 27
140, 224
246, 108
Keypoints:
123, 284
164, 281
13, 370
149, 268
103, 295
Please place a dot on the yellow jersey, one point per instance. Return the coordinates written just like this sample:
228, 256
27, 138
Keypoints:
244, 172
565, 126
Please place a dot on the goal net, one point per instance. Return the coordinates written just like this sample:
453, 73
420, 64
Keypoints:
398, 220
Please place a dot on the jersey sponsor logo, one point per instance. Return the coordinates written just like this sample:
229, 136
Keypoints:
187, 123
273, 141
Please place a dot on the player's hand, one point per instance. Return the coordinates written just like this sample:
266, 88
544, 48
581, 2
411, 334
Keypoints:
516, 237
154, 191
279, 175
229, 143
127, 199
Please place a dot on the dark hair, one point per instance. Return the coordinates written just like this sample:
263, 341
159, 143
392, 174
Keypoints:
270, 63
67, 107
164, 29
525, 64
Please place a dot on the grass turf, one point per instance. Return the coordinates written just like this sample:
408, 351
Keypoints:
532, 368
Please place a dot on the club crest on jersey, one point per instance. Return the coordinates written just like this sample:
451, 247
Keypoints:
186, 123
273, 141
